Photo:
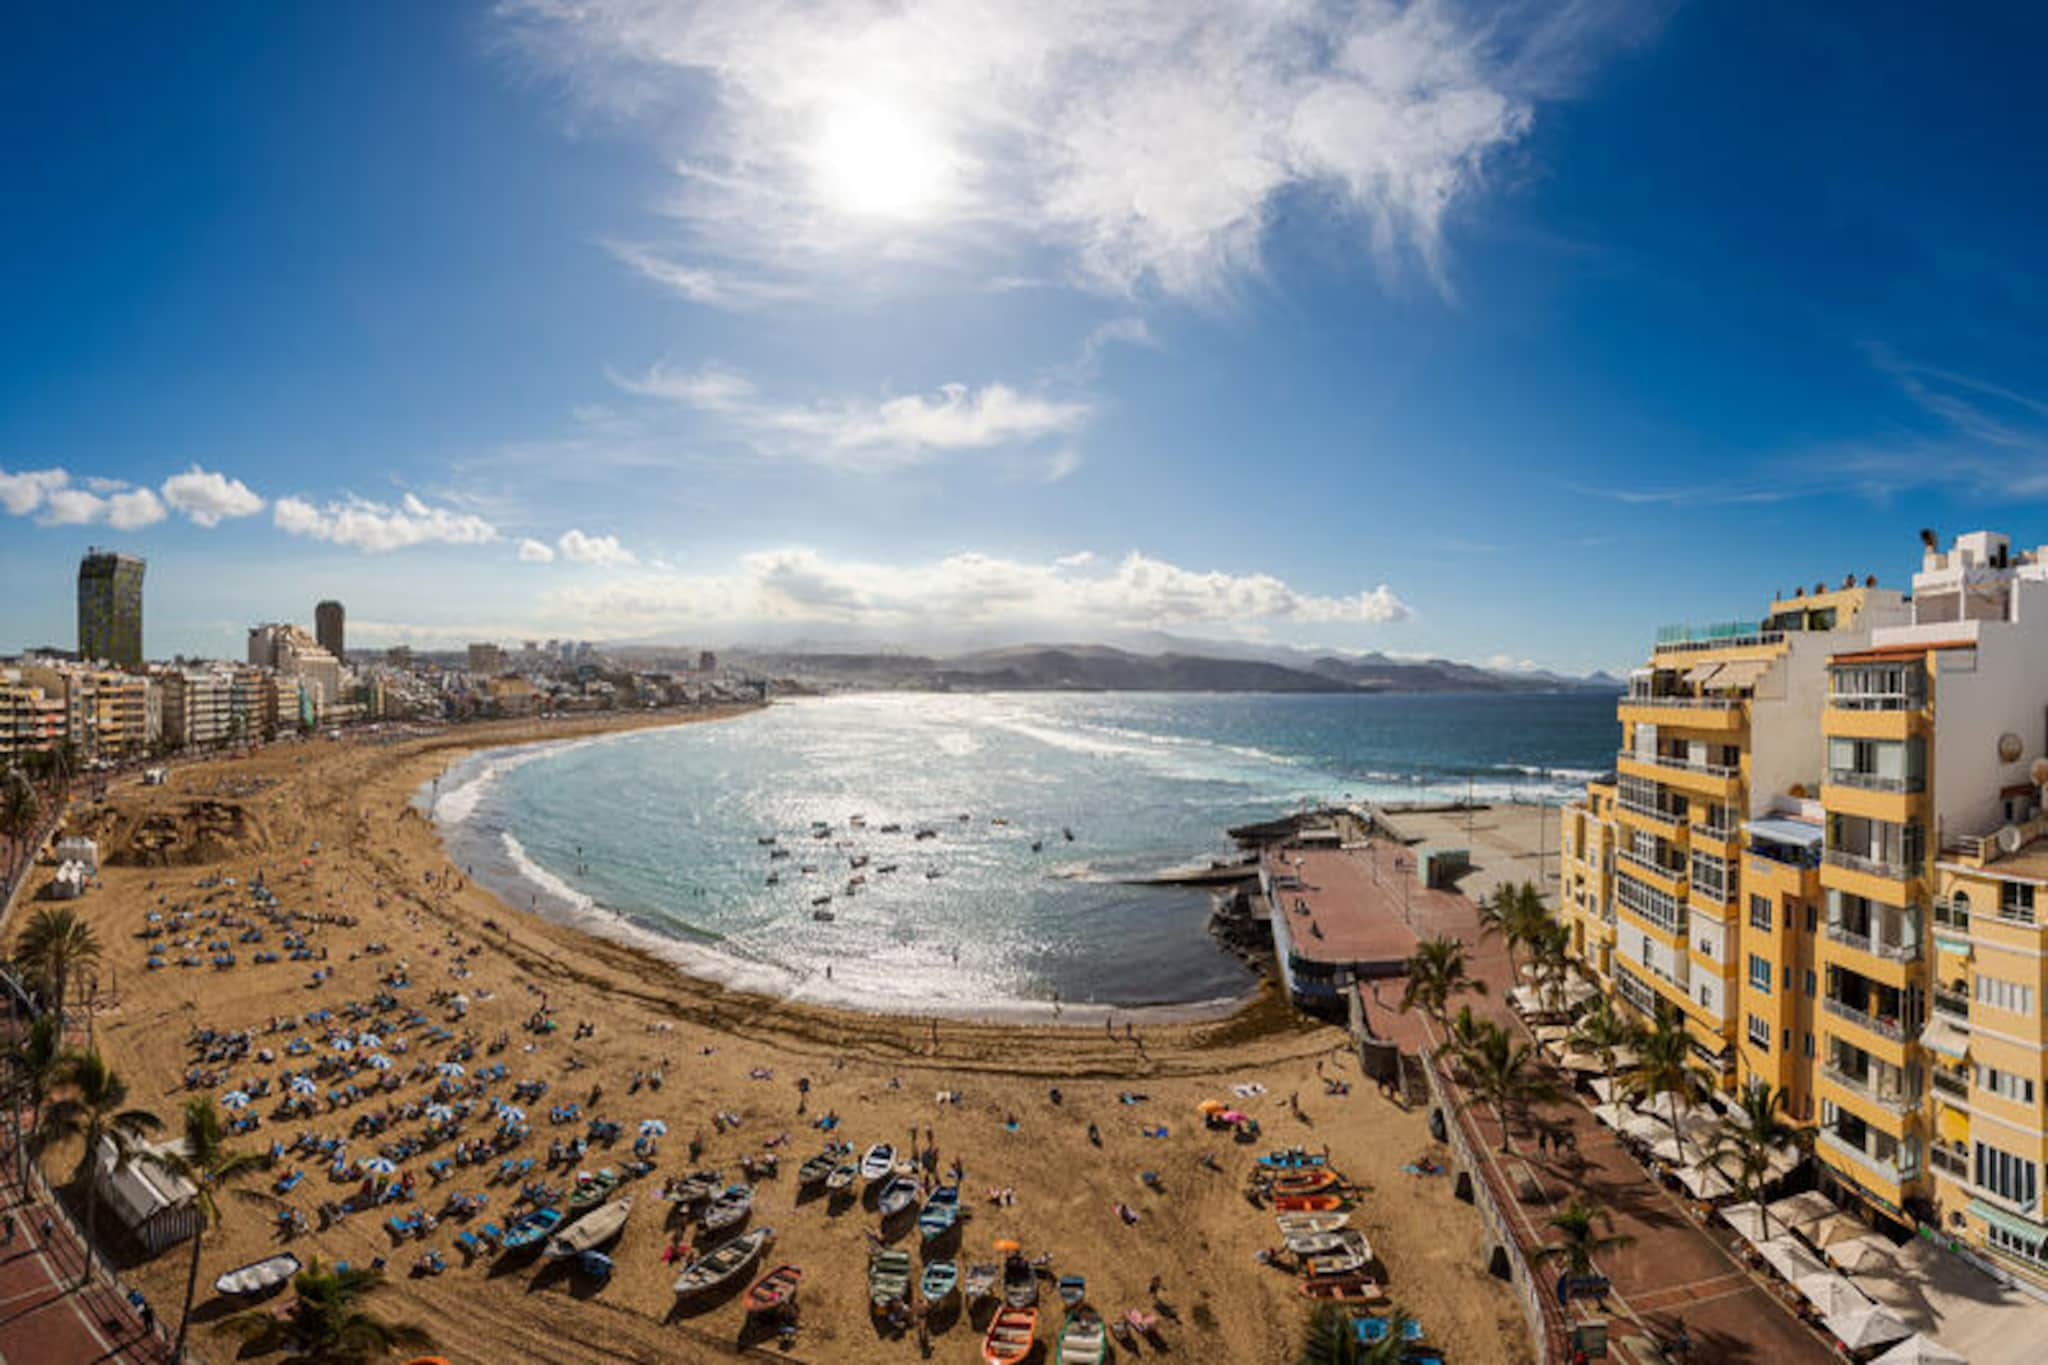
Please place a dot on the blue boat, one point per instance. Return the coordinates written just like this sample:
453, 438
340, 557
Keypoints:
532, 1230
941, 1212
1292, 1159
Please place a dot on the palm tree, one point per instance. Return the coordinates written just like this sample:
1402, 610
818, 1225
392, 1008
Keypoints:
1436, 973
326, 1324
1462, 1035
1666, 1053
54, 946
1748, 1135
1579, 1238
37, 1060
204, 1160
1604, 1031
1330, 1339
1503, 1073
19, 812
96, 1110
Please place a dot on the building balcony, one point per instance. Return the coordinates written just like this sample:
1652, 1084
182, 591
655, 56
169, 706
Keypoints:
1884, 1169
1873, 782
1950, 1084
1701, 715
1670, 823
1865, 1087
1869, 867
1843, 935
1951, 1005
1684, 703
1668, 879
1877, 701
1888, 1029
1681, 765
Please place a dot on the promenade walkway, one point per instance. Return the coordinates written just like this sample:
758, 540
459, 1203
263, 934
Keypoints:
44, 1318
1676, 1266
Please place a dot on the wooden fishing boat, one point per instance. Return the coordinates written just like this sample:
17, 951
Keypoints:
1083, 1340
1073, 1289
1348, 1258
258, 1277
816, 1169
1305, 1224
1317, 1243
842, 1176
1290, 1159
729, 1208
588, 1194
941, 1211
1011, 1335
1342, 1288
979, 1282
888, 1279
591, 1232
1308, 1203
774, 1289
896, 1196
721, 1267
700, 1186
531, 1230
939, 1280
1305, 1182
877, 1164
1020, 1283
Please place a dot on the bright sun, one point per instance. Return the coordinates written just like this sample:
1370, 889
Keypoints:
873, 160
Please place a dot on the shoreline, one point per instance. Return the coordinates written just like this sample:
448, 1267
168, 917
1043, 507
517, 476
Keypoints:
731, 973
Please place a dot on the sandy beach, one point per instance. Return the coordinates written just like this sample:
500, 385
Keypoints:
329, 828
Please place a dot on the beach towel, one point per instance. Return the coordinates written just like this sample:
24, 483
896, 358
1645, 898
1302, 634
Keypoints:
1247, 1090
1157, 1130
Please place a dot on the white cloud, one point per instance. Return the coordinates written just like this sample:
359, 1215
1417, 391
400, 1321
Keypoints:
208, 499
64, 505
967, 589
719, 289
536, 552
861, 433
604, 551
130, 511
375, 528
23, 493
1139, 143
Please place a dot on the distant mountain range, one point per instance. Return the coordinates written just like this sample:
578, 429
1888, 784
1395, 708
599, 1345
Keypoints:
1102, 668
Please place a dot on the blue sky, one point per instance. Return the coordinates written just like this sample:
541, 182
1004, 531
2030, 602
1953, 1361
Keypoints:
1500, 334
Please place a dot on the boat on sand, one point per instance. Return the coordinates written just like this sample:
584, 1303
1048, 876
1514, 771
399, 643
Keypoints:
258, 1276
1012, 1332
721, 1267
896, 1196
591, 1231
729, 1208
888, 1279
1083, 1340
774, 1289
878, 1162
939, 1281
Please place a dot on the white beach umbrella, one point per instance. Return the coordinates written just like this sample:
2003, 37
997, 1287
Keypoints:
302, 1085
236, 1099
450, 1068
1919, 1350
512, 1113
380, 1061
377, 1165
439, 1113
369, 1040
653, 1128
1866, 1327
344, 1045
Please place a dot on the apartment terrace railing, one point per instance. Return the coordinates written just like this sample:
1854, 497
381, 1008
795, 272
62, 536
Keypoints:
1724, 635
1876, 947
1718, 833
1684, 765
1877, 701
1950, 1084
1875, 782
1686, 703
1883, 1028
1950, 1163
1876, 867
1887, 1170
1651, 865
1649, 812
1867, 1088
1953, 1004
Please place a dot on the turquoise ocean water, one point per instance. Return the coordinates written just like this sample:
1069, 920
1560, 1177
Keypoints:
656, 836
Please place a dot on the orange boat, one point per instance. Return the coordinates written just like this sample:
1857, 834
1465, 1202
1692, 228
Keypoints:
1306, 1182
1011, 1334
1342, 1289
1308, 1203
774, 1289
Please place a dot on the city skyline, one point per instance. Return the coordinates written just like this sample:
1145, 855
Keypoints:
1401, 328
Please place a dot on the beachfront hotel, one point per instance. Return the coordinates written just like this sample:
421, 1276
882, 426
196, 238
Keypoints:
1823, 843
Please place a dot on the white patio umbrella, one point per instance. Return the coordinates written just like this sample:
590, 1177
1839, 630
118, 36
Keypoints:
653, 1128
377, 1165
380, 1061
1747, 1220
236, 1099
1790, 1258
1831, 1294
1861, 1254
512, 1113
1613, 1115
344, 1045
1706, 1181
439, 1113
1603, 1090
1801, 1211
1919, 1350
1864, 1328
302, 1085
369, 1040
450, 1068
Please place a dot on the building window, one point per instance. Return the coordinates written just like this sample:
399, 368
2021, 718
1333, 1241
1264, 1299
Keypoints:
1760, 1033
2007, 1176
2006, 1084
1760, 913
2033, 1250
2016, 902
1760, 975
2005, 995
1810, 983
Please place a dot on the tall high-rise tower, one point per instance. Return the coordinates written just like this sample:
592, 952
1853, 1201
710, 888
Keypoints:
328, 621
110, 608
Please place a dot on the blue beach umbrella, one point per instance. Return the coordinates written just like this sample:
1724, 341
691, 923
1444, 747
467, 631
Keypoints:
377, 1165
236, 1099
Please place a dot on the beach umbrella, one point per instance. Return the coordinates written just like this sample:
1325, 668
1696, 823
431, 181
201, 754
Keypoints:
153, 917
236, 1099
344, 1045
1211, 1107
302, 1085
450, 1068
380, 1061
653, 1128
370, 1040
377, 1165
439, 1113
512, 1113
1919, 1350
1831, 1294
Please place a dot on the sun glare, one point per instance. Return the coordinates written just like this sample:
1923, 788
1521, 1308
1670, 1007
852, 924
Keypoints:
873, 160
